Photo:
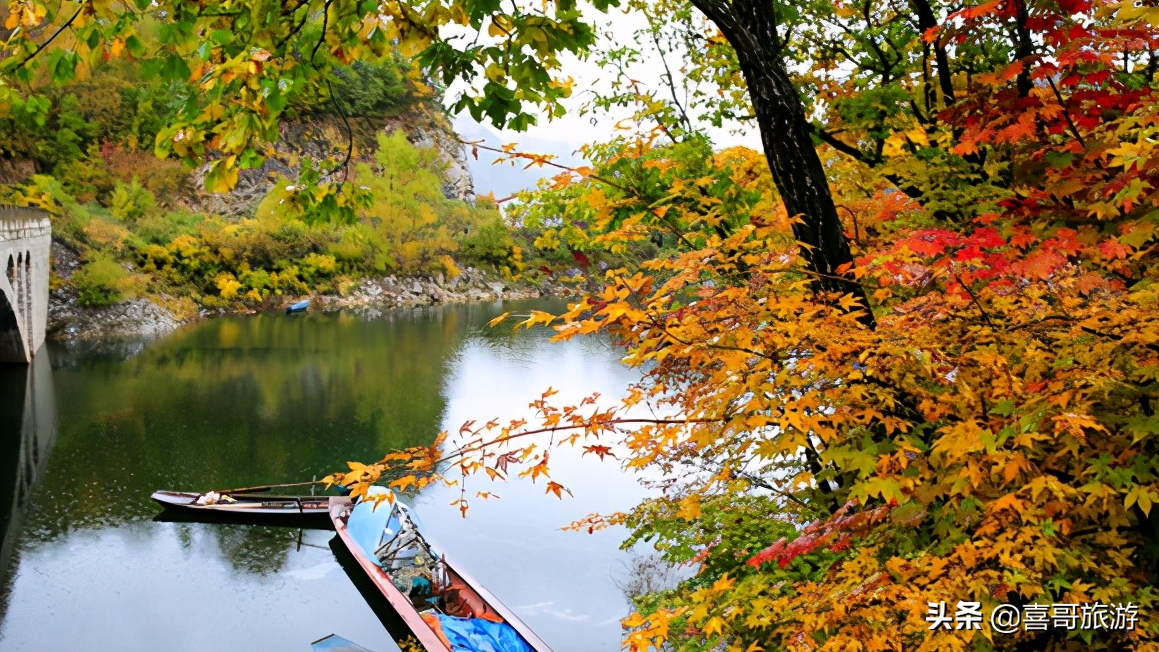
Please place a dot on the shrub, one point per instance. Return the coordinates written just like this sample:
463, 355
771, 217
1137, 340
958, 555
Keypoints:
104, 233
167, 180
100, 281
490, 244
158, 229
86, 178
131, 201
317, 267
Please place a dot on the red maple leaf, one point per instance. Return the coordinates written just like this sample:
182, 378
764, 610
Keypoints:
503, 460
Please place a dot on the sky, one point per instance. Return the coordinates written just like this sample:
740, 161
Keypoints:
564, 136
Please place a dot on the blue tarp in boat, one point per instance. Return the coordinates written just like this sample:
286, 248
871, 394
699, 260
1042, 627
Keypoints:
479, 635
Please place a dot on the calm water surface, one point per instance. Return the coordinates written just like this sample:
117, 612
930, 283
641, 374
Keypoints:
87, 435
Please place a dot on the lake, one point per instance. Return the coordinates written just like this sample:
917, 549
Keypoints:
88, 432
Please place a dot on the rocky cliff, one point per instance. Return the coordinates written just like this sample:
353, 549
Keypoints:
327, 138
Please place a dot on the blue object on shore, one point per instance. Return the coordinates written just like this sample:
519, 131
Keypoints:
298, 307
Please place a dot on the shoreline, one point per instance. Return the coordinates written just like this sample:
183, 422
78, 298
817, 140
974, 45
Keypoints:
150, 317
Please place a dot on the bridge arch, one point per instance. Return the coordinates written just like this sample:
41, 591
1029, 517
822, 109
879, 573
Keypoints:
25, 249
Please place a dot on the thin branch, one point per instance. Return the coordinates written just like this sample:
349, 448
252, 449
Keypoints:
294, 29
608, 424
926, 21
52, 38
973, 297
668, 76
1066, 112
345, 164
852, 216
325, 22
628, 191
831, 140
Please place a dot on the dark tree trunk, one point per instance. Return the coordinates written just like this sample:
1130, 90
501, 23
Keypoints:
926, 21
750, 26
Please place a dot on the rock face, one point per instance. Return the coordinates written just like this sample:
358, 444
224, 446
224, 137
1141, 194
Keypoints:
252, 186
314, 140
457, 182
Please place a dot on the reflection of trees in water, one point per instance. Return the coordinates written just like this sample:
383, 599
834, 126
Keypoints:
245, 401
238, 402
250, 549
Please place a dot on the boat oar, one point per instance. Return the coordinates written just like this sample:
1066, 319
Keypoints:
264, 488
335, 643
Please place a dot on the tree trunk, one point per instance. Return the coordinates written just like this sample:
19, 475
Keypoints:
750, 26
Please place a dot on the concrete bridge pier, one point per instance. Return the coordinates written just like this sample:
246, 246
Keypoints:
25, 251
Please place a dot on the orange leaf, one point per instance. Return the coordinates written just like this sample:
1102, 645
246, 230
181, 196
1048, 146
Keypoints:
557, 489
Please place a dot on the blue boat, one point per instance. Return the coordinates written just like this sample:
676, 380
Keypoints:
335, 643
298, 307
445, 609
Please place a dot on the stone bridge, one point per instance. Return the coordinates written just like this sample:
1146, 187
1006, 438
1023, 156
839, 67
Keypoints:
25, 248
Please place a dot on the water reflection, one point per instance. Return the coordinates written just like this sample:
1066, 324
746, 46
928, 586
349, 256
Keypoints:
28, 424
246, 401
240, 402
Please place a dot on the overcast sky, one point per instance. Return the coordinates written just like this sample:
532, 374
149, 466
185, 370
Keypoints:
565, 135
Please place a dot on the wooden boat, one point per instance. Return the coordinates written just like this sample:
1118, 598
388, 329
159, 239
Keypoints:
301, 306
255, 506
452, 610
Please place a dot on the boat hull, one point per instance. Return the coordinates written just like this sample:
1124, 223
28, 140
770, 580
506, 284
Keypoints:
430, 642
249, 506
340, 507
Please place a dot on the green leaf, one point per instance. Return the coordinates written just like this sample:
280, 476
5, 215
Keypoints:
1003, 408
134, 45
175, 69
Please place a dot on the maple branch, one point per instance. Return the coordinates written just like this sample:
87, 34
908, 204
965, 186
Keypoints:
922, 120
1023, 47
1085, 329
608, 424
831, 140
852, 216
668, 77
640, 97
973, 297
294, 29
1066, 113
758, 482
719, 347
926, 21
910, 190
886, 65
345, 164
1118, 338
52, 38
